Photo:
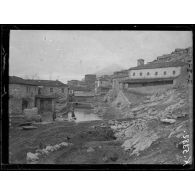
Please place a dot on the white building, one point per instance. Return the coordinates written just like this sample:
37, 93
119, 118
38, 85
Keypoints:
151, 74
156, 70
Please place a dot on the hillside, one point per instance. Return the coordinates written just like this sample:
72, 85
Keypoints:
108, 70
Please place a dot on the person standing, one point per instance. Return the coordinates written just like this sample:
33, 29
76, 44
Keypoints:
54, 115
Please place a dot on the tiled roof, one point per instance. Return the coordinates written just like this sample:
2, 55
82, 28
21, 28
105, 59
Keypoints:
50, 83
159, 65
147, 80
18, 80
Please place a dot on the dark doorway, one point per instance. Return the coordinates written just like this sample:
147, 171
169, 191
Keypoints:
24, 104
39, 91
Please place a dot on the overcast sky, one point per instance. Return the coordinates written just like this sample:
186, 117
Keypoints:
67, 55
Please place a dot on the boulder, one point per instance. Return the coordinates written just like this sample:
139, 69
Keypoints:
63, 144
32, 157
30, 127
90, 149
111, 122
167, 120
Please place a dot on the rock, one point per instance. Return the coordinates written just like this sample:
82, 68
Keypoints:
32, 157
49, 148
29, 127
111, 122
57, 146
99, 147
105, 159
64, 144
44, 151
119, 126
113, 127
167, 120
114, 157
90, 149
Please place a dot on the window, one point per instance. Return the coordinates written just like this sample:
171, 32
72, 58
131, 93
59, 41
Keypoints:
134, 74
165, 72
27, 89
140, 73
62, 90
51, 89
148, 73
156, 73
174, 72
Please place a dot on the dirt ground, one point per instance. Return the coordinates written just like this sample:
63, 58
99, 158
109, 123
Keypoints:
85, 135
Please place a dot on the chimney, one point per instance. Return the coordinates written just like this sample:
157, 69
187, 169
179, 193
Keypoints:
140, 62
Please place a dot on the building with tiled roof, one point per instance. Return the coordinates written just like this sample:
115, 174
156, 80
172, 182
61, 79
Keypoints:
24, 93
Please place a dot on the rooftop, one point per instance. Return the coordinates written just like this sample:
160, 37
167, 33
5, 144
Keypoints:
50, 83
153, 65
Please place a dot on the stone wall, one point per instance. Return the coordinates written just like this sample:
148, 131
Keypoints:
17, 94
15, 105
22, 91
56, 90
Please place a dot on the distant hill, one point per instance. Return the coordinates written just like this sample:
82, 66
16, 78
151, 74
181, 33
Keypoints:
109, 70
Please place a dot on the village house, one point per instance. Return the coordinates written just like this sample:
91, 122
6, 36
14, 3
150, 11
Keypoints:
103, 85
51, 87
152, 74
118, 77
34, 93
80, 94
21, 94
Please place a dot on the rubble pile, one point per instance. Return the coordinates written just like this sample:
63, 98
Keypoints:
164, 107
34, 157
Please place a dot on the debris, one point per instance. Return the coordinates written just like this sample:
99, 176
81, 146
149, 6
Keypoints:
105, 159
90, 149
49, 148
167, 120
114, 157
64, 144
111, 122
32, 157
29, 127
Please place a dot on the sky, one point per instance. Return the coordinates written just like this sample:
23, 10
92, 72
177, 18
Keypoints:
66, 55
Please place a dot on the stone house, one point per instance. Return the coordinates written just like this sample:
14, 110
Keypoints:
51, 87
34, 93
120, 76
81, 94
21, 94
102, 85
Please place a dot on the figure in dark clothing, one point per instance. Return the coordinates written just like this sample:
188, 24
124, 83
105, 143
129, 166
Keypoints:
73, 114
54, 116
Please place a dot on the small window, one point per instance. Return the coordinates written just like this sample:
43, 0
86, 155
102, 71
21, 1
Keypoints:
156, 73
134, 74
62, 90
174, 72
140, 73
148, 73
51, 89
165, 72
